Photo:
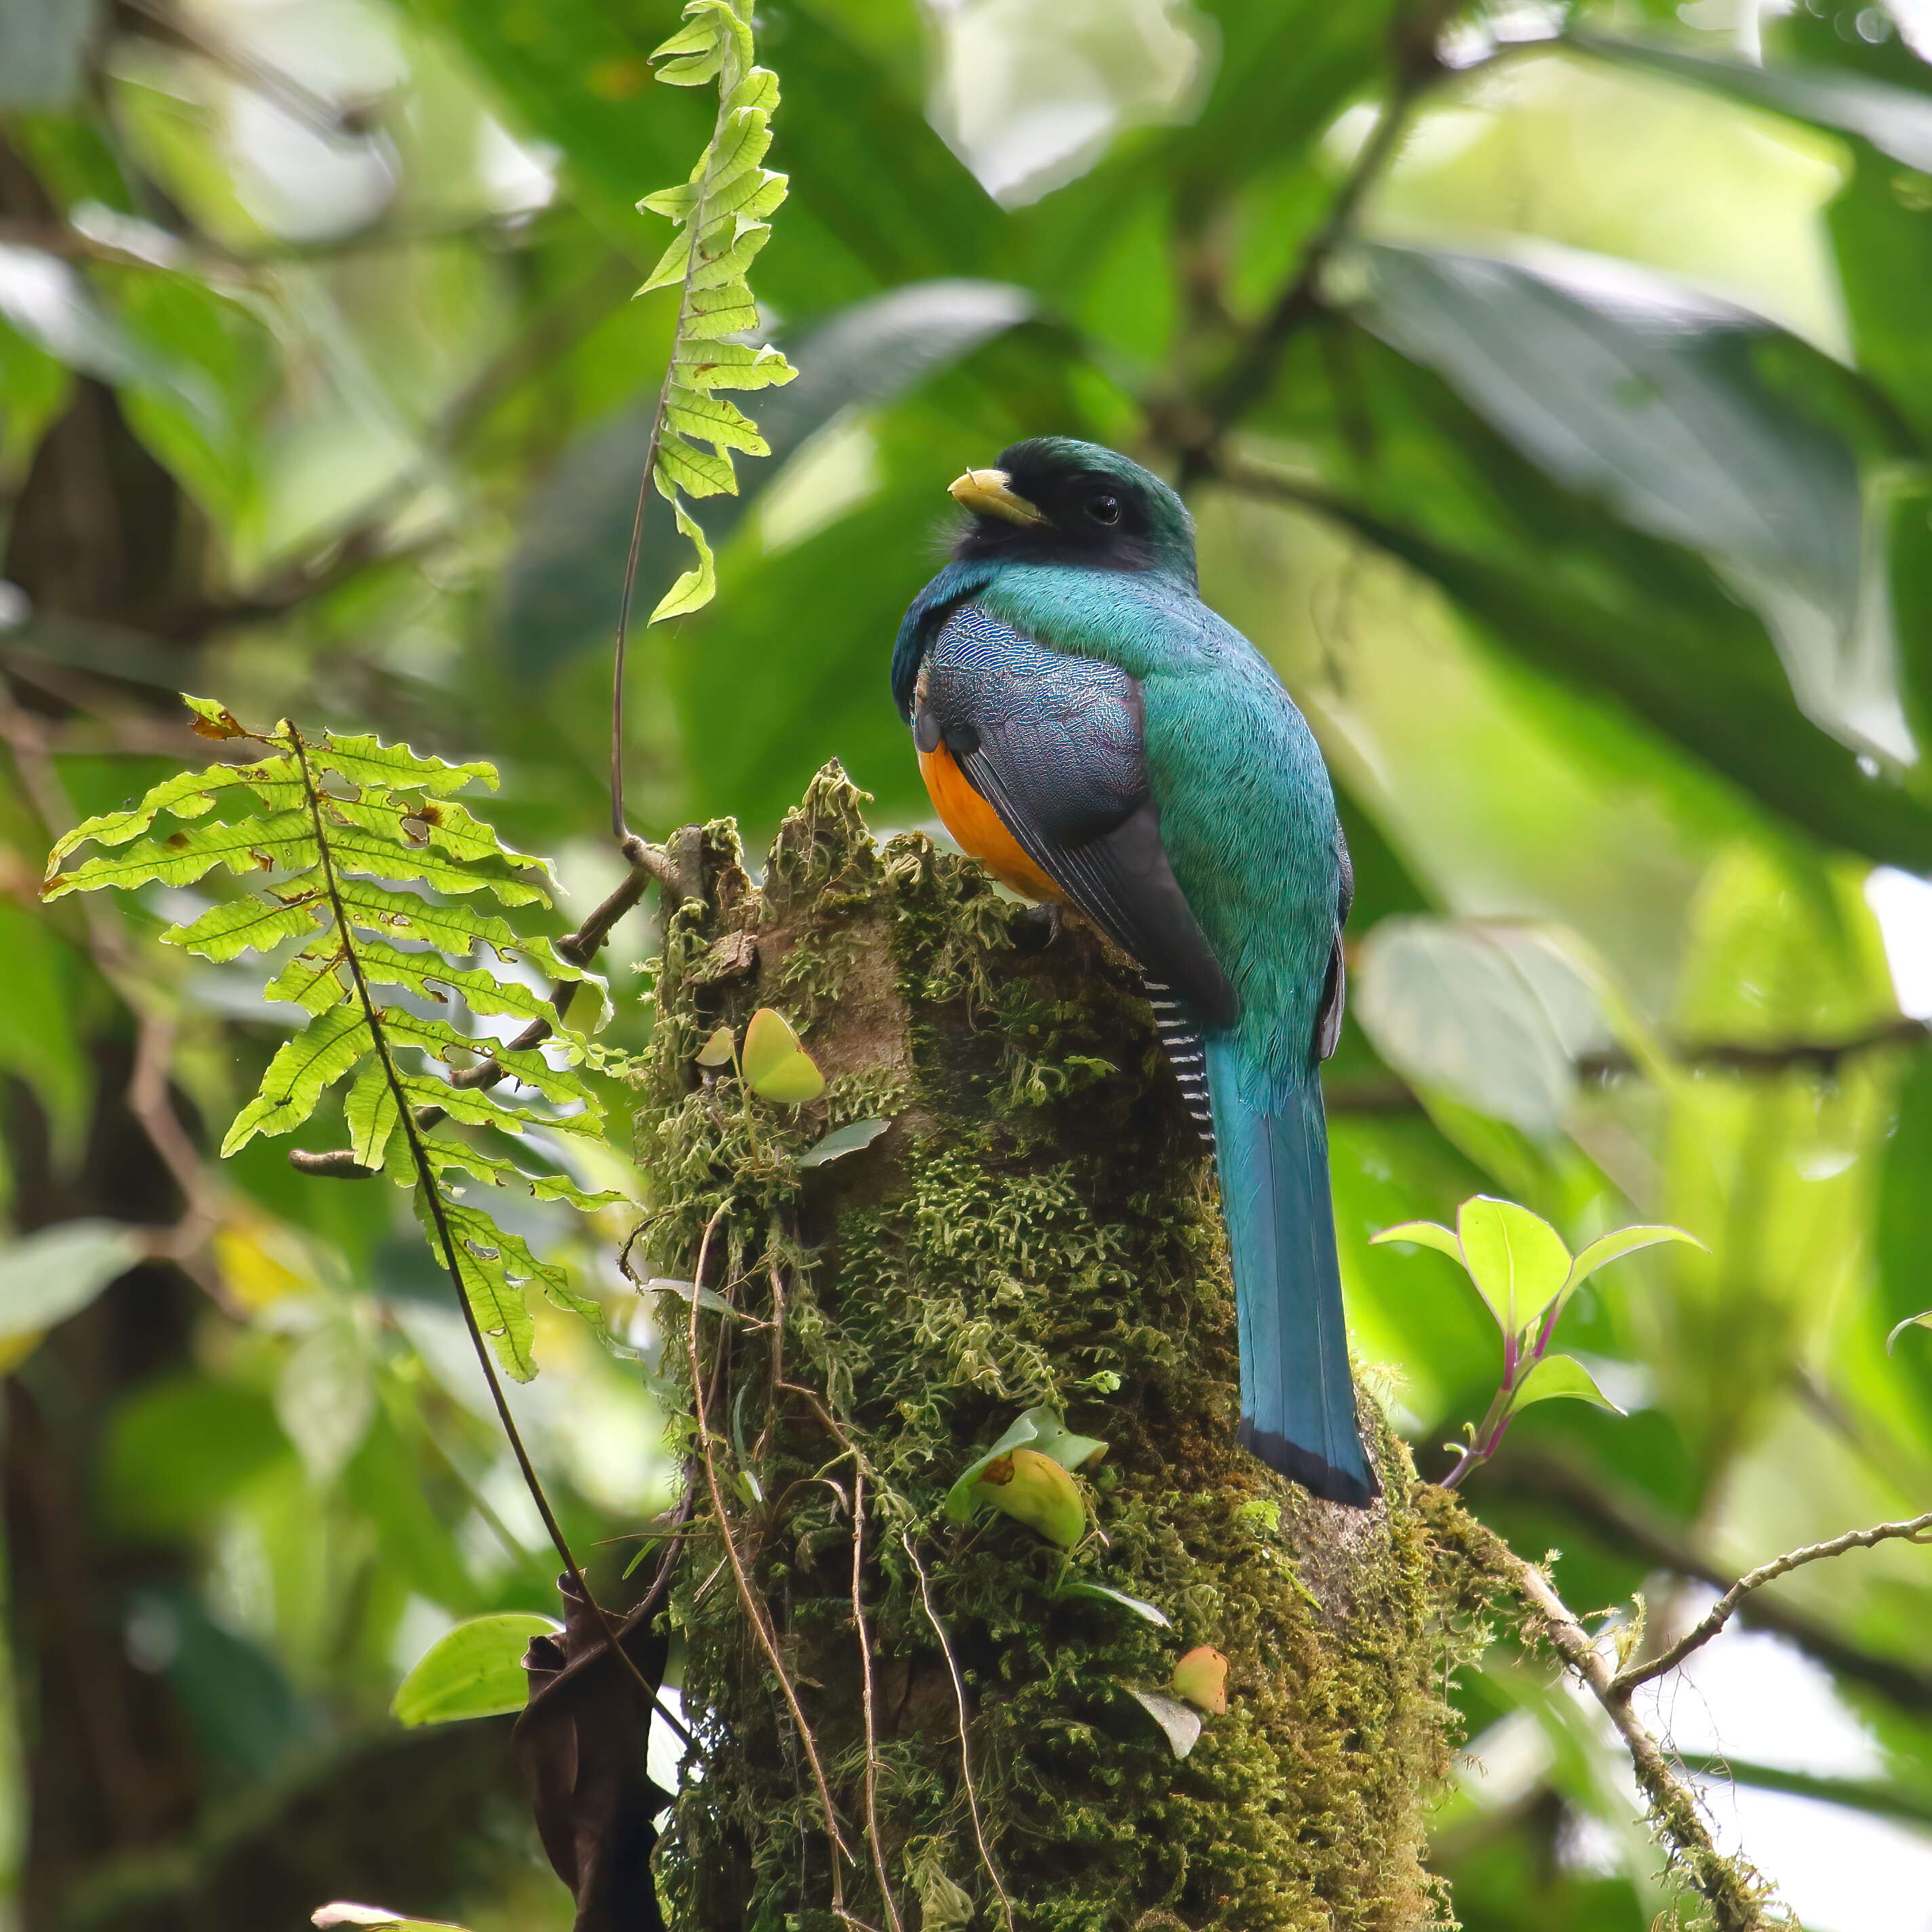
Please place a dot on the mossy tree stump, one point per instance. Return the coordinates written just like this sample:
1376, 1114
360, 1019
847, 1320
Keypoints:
1038, 1225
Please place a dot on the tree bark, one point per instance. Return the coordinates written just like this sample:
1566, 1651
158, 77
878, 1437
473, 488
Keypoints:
1037, 1226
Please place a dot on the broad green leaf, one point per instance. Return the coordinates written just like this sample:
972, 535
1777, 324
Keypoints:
527, 1066
1036, 1490
49, 1275
1181, 1722
301, 1072
731, 365
448, 1156
842, 1141
713, 313
1040, 1429
698, 586
315, 978
774, 1066
475, 1670
1081, 1587
251, 925
446, 824
1647, 395
1557, 1376
1897, 121
282, 840
380, 848
1517, 1259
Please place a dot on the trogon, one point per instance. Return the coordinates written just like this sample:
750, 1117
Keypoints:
1097, 736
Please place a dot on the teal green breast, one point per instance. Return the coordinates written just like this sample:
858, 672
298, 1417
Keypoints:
1247, 812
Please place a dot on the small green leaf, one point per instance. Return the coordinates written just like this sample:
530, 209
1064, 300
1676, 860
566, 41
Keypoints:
367, 761
250, 924
1034, 1489
1140, 1607
1424, 1234
1614, 1245
1040, 1429
1202, 1678
1517, 1259
213, 719
1557, 1376
493, 1265
774, 1066
841, 1141
698, 586
475, 1670
697, 473
302, 1070
718, 1049
1182, 1725
1923, 1321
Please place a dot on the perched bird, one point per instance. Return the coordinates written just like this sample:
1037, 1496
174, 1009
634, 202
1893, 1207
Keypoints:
1096, 735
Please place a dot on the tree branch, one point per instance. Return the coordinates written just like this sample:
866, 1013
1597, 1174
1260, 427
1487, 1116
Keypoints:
1917, 1529
1618, 1523
1738, 1895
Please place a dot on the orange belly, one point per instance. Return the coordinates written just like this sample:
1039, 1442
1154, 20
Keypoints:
977, 825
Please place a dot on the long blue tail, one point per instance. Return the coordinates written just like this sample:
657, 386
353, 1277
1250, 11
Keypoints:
1297, 1396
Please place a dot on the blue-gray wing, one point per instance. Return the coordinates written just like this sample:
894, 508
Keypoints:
1054, 744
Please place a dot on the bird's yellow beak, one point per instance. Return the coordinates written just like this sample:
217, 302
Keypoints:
991, 493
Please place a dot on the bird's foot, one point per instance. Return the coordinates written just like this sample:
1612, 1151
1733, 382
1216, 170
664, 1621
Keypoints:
1036, 929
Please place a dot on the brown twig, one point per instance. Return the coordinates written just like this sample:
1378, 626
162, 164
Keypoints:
1738, 1895
1916, 1529
965, 1748
1621, 1522
753, 1608
872, 1838
155, 1027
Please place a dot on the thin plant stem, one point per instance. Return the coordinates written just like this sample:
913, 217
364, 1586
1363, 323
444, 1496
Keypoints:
754, 1610
965, 1749
872, 1838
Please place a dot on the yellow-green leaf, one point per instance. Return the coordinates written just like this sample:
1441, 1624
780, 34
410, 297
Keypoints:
696, 586
723, 424
718, 1050
1557, 1376
1034, 1489
774, 1066
1517, 1259
475, 1670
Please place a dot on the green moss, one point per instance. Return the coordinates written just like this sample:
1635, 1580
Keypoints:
1039, 1224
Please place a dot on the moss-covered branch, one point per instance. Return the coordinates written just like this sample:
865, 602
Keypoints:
1036, 1227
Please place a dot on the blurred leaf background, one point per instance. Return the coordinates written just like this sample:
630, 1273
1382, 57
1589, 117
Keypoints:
1585, 508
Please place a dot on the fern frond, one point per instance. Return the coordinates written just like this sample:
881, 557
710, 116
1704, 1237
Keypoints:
365, 852
721, 213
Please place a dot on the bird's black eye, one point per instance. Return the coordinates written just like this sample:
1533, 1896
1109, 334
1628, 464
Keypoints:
1104, 508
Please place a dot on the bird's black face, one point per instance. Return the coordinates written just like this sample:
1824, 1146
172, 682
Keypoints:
1054, 500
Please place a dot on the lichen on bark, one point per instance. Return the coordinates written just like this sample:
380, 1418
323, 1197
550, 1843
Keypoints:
1038, 1225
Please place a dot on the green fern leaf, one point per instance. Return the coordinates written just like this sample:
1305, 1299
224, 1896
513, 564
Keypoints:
697, 473
367, 845
235, 926
730, 365
722, 424
303, 1070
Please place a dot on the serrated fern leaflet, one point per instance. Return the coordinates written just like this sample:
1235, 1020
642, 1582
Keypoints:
721, 213
361, 850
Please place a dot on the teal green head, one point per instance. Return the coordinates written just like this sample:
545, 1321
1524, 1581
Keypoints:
1052, 499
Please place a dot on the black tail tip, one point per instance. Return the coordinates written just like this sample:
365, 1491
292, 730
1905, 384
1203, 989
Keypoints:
1313, 1472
